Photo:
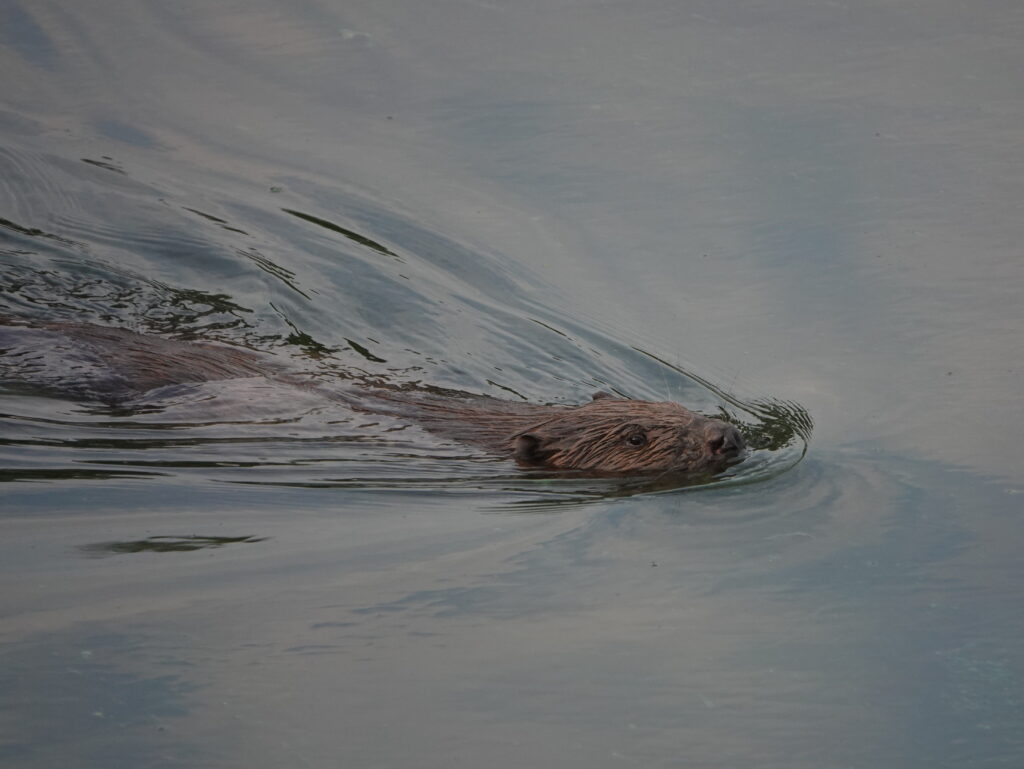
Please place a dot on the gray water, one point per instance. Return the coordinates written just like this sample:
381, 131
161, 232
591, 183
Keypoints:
785, 213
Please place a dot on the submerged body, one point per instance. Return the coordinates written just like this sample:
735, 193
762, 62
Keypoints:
608, 435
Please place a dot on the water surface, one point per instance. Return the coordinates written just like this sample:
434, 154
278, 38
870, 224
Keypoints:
779, 213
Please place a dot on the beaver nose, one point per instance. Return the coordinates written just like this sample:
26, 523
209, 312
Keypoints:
724, 440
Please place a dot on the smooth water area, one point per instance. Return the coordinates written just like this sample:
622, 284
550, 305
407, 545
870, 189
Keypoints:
802, 217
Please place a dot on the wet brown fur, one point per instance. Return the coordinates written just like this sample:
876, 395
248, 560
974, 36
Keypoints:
607, 435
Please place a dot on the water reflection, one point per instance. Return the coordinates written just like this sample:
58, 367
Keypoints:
354, 236
166, 543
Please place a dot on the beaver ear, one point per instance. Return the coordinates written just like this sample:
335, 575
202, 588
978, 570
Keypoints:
527, 450
601, 395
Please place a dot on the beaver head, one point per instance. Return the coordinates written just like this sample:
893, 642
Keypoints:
609, 435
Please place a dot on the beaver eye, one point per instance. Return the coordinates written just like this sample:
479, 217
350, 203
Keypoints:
636, 439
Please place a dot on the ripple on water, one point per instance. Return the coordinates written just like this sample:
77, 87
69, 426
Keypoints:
339, 286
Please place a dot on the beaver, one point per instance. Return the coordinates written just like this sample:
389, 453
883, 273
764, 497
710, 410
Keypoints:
608, 435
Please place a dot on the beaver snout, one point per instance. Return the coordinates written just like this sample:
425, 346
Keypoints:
723, 440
